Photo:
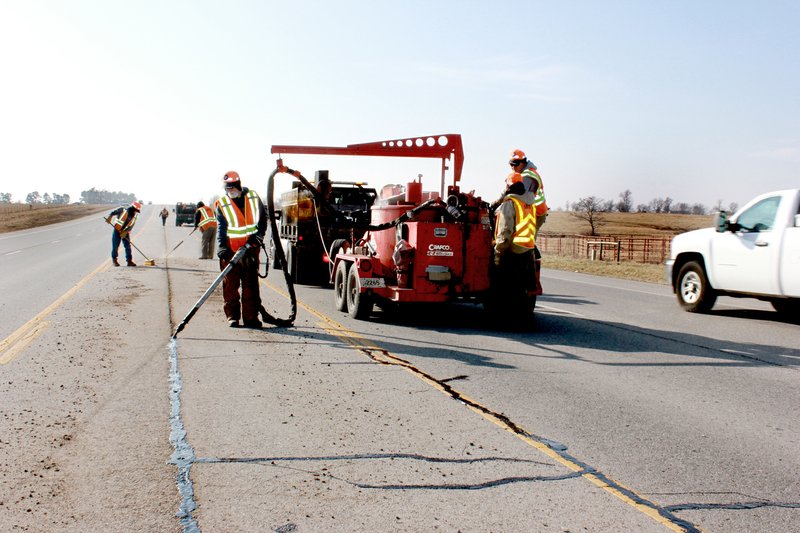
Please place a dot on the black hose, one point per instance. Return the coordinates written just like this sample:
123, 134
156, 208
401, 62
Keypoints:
279, 254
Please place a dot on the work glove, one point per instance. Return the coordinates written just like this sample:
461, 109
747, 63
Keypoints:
224, 254
255, 241
498, 259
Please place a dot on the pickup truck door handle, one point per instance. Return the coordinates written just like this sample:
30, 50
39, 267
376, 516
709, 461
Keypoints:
762, 243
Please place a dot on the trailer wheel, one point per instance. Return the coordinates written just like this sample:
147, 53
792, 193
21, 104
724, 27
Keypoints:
340, 286
695, 294
359, 304
339, 245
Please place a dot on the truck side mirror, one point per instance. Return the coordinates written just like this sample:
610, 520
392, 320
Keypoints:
722, 222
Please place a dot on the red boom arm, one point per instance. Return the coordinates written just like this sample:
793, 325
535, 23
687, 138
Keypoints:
432, 146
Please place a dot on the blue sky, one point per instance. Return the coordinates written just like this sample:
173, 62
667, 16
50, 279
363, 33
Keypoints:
698, 101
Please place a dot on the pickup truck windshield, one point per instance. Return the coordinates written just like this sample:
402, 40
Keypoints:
761, 216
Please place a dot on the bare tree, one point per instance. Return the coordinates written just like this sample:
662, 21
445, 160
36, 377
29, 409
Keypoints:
625, 204
590, 210
698, 209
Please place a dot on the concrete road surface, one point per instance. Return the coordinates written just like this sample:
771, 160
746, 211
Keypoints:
619, 412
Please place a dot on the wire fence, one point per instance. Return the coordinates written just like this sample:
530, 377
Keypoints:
607, 248
18, 208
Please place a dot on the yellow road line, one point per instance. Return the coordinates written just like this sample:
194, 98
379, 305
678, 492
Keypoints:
13, 351
13, 345
360, 343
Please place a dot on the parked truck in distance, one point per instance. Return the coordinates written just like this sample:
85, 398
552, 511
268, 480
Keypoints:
754, 253
184, 213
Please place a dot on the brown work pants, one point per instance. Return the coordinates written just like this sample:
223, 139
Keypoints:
244, 275
207, 239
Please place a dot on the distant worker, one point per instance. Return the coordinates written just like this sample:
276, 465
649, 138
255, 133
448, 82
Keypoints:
164, 215
123, 219
514, 275
534, 189
241, 218
205, 221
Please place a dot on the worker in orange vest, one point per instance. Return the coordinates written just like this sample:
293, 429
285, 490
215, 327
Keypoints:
241, 218
206, 222
123, 219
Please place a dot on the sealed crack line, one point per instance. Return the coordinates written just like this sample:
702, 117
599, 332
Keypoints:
736, 506
183, 453
365, 456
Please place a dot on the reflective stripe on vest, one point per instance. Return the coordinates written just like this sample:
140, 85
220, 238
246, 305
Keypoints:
122, 217
240, 225
207, 219
525, 228
538, 198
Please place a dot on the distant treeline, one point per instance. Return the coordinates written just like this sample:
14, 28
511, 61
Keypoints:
93, 196
36, 198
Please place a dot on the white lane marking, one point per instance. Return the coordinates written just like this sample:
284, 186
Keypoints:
617, 287
558, 310
14, 252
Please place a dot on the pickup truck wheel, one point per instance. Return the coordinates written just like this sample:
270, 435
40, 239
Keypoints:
789, 307
340, 286
359, 304
695, 295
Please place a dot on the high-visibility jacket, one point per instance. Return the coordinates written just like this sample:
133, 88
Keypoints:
207, 219
518, 234
538, 197
122, 218
240, 225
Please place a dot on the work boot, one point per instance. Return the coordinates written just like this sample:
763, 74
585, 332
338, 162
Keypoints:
131, 263
252, 324
115, 262
233, 323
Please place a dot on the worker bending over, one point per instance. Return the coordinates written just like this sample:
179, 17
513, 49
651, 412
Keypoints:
123, 219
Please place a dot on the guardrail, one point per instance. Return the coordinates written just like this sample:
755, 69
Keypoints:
625, 247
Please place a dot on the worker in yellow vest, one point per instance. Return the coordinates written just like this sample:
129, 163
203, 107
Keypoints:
241, 218
514, 275
206, 222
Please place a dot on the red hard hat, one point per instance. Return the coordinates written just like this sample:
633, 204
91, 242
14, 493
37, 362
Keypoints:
136, 205
231, 179
514, 177
517, 156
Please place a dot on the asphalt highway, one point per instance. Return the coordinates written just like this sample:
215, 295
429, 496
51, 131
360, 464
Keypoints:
617, 412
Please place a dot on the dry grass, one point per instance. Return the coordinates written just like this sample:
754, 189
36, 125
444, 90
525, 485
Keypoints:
655, 224
634, 271
14, 217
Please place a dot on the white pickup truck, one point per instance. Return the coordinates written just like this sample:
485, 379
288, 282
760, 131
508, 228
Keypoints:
754, 254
